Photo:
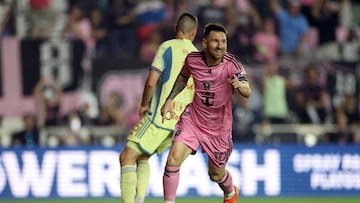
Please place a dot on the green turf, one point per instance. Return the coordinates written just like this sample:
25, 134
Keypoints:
198, 200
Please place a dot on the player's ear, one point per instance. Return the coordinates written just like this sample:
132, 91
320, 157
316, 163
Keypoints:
195, 31
193, 34
204, 43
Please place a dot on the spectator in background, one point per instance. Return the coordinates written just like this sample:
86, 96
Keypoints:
347, 13
350, 109
48, 94
87, 5
99, 31
6, 17
342, 134
326, 19
169, 6
79, 27
248, 13
275, 106
292, 27
264, 8
266, 42
30, 135
210, 13
149, 47
111, 111
133, 116
306, 6
350, 48
178, 7
244, 117
311, 98
75, 134
116, 108
241, 24
42, 18
85, 115
337, 35
123, 27
149, 15
104, 117
182, 6
88, 111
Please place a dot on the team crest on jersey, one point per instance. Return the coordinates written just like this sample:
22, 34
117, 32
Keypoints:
207, 85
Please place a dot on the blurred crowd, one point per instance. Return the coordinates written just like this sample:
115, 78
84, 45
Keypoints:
75, 127
259, 32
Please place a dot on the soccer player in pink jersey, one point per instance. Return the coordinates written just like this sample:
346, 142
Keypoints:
207, 121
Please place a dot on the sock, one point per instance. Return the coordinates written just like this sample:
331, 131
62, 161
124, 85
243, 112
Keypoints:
226, 185
143, 176
139, 200
229, 195
170, 183
128, 183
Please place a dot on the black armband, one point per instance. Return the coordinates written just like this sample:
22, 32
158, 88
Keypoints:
241, 77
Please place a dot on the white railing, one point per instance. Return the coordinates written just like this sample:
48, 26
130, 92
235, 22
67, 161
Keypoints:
301, 133
110, 135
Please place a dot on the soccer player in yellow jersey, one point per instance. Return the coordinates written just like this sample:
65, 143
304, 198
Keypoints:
150, 135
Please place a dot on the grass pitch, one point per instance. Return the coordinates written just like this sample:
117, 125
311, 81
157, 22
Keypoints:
198, 200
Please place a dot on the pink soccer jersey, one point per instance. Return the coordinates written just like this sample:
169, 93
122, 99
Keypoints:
211, 107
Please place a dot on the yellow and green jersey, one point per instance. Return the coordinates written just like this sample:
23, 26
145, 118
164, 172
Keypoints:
168, 61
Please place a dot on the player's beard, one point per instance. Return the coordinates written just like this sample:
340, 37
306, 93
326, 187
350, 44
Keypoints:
217, 55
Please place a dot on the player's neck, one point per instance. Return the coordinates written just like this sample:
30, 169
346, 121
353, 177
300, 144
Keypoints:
181, 35
210, 61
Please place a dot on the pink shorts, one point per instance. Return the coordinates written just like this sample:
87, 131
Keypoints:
218, 149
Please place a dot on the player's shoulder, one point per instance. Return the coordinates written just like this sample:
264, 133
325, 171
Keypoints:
167, 43
172, 42
195, 54
229, 57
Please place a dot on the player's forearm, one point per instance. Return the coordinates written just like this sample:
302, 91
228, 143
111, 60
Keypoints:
244, 89
149, 88
179, 85
147, 95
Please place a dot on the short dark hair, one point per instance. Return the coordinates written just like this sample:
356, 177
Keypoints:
214, 27
186, 22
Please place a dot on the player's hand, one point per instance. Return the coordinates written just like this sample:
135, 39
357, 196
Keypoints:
167, 110
236, 83
143, 110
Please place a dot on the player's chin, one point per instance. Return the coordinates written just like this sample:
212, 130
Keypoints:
217, 58
217, 54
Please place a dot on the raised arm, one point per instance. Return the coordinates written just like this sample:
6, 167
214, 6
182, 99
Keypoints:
242, 86
275, 6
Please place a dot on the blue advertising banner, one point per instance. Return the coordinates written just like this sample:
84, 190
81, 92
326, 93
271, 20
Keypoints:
257, 170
